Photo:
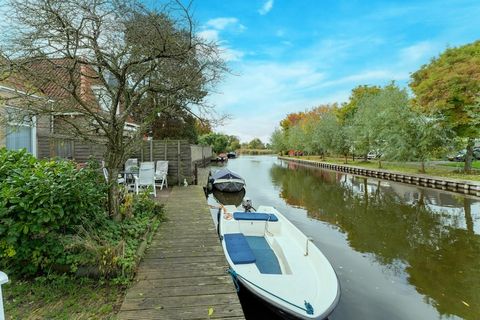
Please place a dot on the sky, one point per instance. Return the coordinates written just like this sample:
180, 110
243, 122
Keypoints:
288, 56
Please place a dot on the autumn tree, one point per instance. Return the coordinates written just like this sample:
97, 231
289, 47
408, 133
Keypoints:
348, 109
449, 86
133, 53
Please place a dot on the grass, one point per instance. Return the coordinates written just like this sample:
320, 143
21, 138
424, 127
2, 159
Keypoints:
441, 170
475, 164
61, 297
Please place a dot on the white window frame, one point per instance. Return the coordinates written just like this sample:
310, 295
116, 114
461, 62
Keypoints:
32, 126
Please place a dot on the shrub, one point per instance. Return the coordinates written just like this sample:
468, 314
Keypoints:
41, 201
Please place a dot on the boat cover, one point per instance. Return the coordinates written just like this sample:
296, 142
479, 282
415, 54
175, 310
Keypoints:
225, 174
238, 248
256, 216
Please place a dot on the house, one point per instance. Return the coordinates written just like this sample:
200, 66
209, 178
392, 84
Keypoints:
53, 134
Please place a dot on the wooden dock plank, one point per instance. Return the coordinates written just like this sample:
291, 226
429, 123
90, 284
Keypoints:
183, 273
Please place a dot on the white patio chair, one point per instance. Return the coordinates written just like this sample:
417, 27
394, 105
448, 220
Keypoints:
120, 180
3, 280
146, 177
161, 173
131, 169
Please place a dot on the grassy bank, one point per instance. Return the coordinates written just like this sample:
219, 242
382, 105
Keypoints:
62, 297
447, 170
255, 151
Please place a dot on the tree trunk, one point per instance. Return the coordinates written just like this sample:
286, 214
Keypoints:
469, 155
365, 157
346, 158
114, 160
379, 163
422, 166
113, 198
353, 157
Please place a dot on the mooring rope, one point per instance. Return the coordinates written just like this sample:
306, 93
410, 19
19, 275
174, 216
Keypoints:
308, 307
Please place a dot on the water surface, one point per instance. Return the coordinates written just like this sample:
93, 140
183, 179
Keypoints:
400, 251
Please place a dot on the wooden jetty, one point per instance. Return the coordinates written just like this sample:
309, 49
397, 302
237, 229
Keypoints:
183, 274
453, 185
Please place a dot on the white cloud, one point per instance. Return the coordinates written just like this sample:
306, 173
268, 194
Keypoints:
419, 52
221, 23
209, 35
267, 6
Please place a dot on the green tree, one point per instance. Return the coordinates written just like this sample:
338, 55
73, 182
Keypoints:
348, 109
217, 141
256, 143
412, 136
278, 141
233, 143
332, 135
296, 138
130, 52
450, 85
374, 117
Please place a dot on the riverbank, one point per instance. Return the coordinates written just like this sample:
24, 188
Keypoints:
467, 185
255, 152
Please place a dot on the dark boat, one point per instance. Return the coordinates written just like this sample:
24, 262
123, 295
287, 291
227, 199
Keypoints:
227, 181
229, 198
231, 155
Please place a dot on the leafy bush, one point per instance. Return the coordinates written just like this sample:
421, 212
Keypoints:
112, 246
53, 218
41, 201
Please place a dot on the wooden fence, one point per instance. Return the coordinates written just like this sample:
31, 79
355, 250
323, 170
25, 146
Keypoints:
178, 153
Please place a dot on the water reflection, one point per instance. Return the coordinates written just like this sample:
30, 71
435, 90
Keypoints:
429, 237
229, 198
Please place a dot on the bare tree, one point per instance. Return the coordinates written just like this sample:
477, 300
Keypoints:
108, 62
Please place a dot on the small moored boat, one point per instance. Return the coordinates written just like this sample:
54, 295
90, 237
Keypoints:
227, 181
278, 263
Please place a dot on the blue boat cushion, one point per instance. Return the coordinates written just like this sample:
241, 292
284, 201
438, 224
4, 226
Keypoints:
257, 216
238, 248
267, 261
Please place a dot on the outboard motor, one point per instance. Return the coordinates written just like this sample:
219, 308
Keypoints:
247, 205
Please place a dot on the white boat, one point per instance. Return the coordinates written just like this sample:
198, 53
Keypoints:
226, 180
275, 261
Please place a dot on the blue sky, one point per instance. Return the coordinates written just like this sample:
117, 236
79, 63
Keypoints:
287, 56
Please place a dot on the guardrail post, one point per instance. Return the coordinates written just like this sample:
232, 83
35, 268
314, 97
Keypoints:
3, 280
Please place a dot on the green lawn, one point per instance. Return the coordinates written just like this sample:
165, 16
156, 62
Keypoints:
447, 170
475, 164
61, 297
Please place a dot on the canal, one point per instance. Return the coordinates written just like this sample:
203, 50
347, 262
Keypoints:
400, 251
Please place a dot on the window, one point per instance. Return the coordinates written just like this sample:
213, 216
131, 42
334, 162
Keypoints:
103, 97
20, 130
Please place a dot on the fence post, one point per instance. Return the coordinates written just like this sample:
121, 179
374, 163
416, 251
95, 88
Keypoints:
178, 161
196, 173
151, 149
3, 280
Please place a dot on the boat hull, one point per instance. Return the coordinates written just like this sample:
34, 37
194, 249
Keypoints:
288, 313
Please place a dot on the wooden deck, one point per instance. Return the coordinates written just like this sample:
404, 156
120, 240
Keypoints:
183, 274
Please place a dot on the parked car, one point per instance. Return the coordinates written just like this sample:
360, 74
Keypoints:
460, 156
373, 155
